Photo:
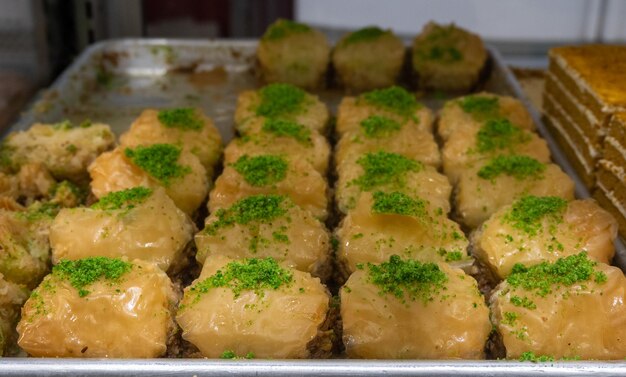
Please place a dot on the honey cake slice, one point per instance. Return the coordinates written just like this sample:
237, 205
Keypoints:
535, 229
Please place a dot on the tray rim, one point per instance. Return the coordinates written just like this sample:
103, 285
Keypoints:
19, 366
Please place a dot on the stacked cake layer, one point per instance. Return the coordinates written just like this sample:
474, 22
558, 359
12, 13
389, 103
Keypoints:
582, 98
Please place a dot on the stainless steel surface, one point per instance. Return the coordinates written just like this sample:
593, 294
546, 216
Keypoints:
114, 80
304, 368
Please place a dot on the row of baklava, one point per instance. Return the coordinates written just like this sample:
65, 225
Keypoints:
443, 57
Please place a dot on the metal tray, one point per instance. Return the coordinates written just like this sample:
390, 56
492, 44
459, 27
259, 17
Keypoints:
113, 81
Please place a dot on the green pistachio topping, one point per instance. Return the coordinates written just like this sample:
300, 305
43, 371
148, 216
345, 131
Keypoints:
280, 127
84, 272
384, 168
376, 126
407, 279
228, 354
496, 134
257, 208
520, 167
530, 356
246, 275
394, 99
125, 199
480, 107
66, 188
279, 100
566, 272
184, 118
363, 35
440, 45
262, 170
39, 211
398, 203
282, 28
159, 160
527, 212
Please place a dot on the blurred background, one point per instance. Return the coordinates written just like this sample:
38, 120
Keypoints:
40, 38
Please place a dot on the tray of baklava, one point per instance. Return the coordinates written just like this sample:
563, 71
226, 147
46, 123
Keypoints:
288, 206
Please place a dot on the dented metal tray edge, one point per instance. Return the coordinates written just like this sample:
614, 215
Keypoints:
333, 367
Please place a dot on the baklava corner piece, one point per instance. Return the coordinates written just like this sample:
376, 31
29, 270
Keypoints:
99, 307
572, 308
256, 308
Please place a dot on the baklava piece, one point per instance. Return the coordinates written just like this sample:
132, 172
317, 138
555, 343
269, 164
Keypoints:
159, 165
384, 171
466, 147
386, 224
187, 128
572, 308
137, 223
377, 132
65, 150
254, 308
394, 102
12, 297
406, 309
271, 174
267, 226
446, 57
282, 137
357, 58
24, 245
293, 53
470, 112
280, 101
483, 190
535, 229
99, 307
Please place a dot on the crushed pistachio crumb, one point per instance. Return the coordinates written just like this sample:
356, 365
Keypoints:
159, 160
398, 203
517, 166
262, 170
182, 118
279, 100
280, 127
228, 354
510, 318
376, 126
523, 302
407, 279
497, 134
245, 275
283, 28
84, 272
394, 99
363, 35
125, 199
527, 212
480, 107
384, 168
566, 271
